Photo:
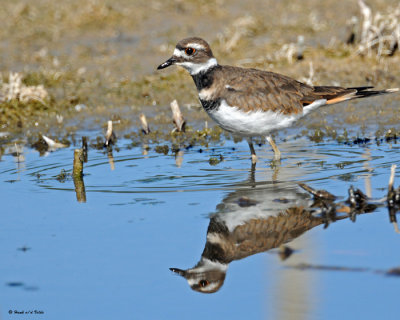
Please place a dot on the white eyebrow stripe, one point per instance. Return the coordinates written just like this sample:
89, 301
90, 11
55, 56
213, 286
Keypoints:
196, 46
179, 53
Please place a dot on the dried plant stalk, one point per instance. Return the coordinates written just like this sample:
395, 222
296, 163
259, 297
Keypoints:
110, 135
16, 90
77, 171
85, 149
391, 179
380, 33
145, 126
177, 117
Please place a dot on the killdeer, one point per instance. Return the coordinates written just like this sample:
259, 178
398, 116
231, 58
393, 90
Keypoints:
245, 223
251, 102
239, 230
252, 221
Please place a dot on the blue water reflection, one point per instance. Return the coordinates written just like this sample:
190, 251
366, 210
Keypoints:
110, 257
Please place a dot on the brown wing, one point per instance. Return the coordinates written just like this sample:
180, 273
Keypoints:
276, 92
268, 91
262, 235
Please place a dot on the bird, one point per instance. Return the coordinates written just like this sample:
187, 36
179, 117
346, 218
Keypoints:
241, 228
250, 102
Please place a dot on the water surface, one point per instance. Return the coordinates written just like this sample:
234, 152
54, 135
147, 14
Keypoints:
145, 213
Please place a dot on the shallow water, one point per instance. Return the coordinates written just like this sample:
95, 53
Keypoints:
145, 213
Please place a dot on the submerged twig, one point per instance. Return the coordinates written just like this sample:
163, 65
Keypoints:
85, 149
320, 194
53, 144
110, 135
357, 203
391, 179
392, 196
145, 126
328, 212
356, 197
18, 154
77, 175
77, 171
177, 117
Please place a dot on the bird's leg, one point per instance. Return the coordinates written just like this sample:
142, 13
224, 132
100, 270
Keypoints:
253, 152
277, 153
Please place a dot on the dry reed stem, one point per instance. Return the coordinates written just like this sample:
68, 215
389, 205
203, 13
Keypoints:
177, 117
77, 171
110, 135
145, 126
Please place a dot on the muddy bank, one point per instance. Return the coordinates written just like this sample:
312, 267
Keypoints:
97, 62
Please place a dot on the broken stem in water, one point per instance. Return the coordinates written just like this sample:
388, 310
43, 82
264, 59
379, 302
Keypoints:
77, 174
77, 171
145, 126
177, 117
110, 135
391, 179
85, 149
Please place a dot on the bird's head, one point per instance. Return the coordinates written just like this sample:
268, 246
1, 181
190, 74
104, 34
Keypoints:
206, 277
194, 54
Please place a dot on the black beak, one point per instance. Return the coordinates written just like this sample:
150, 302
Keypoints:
178, 271
167, 63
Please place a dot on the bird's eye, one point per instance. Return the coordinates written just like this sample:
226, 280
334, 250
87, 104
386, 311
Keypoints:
203, 283
190, 51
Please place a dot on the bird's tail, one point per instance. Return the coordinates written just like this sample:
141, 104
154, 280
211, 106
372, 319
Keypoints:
357, 93
362, 92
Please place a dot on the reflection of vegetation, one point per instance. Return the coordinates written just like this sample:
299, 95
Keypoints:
62, 176
317, 136
162, 149
80, 189
347, 177
215, 160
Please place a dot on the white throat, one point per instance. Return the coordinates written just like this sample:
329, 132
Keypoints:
195, 68
208, 265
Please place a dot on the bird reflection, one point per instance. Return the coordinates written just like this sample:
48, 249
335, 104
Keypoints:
258, 219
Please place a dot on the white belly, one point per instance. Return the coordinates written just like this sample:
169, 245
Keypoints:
256, 123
